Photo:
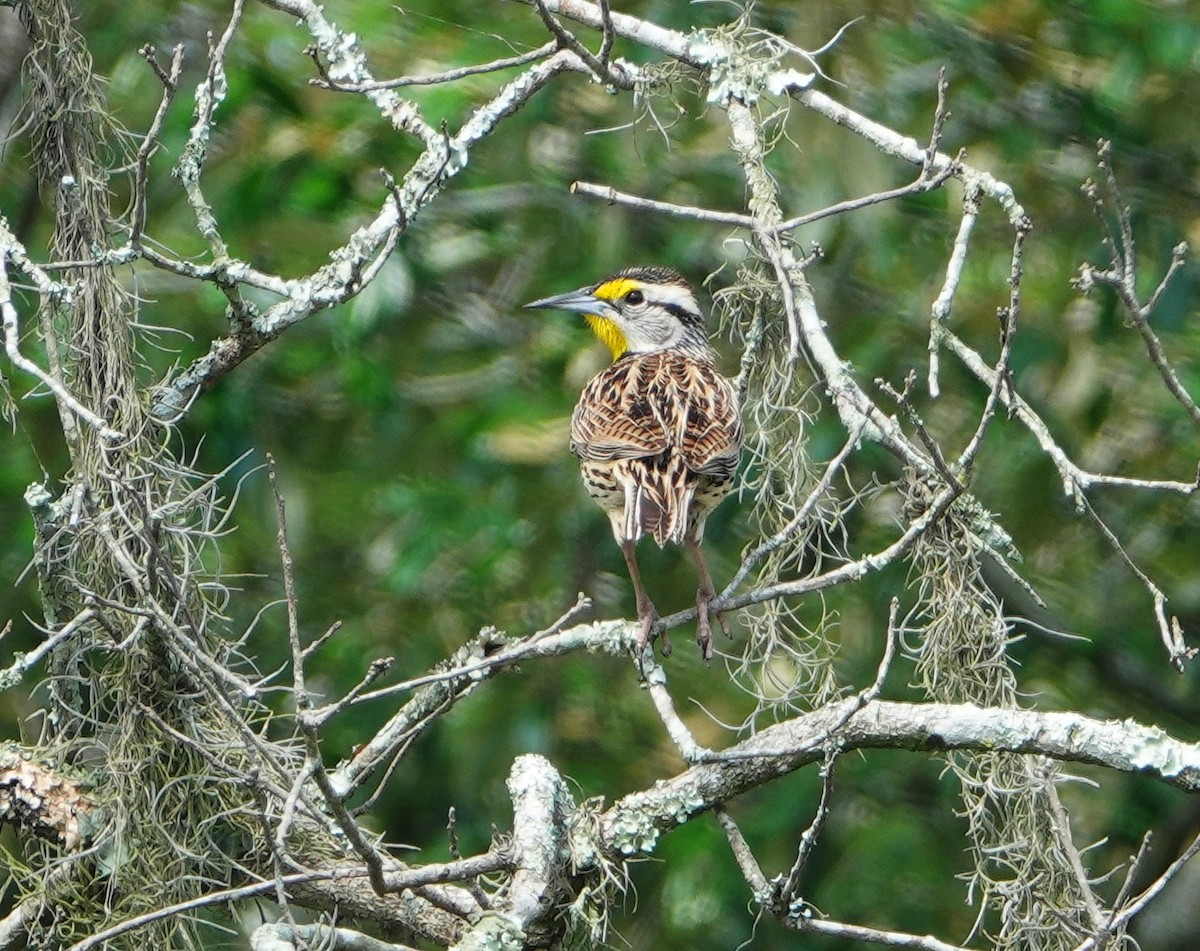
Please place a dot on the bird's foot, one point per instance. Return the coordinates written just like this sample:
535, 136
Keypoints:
649, 618
704, 598
643, 649
704, 630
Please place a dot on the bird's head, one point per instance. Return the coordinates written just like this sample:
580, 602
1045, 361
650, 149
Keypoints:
639, 310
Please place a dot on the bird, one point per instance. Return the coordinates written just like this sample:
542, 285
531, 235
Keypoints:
658, 432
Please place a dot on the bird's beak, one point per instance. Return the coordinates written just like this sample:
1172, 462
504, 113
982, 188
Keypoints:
582, 301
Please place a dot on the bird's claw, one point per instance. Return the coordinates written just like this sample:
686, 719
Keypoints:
704, 598
704, 630
649, 619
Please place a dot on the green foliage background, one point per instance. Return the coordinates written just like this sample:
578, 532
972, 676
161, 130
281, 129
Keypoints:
420, 430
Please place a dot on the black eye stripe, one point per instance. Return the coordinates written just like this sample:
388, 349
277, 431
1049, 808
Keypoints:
679, 311
685, 315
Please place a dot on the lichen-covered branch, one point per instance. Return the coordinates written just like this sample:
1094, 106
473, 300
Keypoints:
38, 800
632, 825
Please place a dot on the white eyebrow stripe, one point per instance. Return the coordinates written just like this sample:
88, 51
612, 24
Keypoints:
672, 294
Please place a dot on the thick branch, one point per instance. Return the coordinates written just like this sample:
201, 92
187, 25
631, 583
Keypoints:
542, 809
632, 825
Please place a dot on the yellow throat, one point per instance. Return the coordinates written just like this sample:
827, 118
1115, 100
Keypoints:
609, 333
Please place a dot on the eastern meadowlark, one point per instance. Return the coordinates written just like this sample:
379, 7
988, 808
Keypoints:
657, 433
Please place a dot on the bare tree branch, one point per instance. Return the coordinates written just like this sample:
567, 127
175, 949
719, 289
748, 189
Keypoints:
784, 747
1121, 275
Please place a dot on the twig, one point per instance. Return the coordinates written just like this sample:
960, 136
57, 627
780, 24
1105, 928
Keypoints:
742, 853
376, 669
374, 860
287, 815
23, 662
1121, 275
12, 336
787, 891
472, 885
299, 691
606, 30
1135, 865
476, 660
613, 197
923, 183
429, 703
850, 571
1169, 630
893, 143
209, 92
940, 115
1129, 910
932, 449
1074, 479
221, 897
459, 870
891, 939
772, 246
645, 32
954, 268
446, 76
655, 679
598, 66
1060, 824
582, 605
345, 62
764, 548
170, 82
1002, 378
320, 642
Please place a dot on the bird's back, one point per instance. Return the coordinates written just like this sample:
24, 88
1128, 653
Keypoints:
658, 436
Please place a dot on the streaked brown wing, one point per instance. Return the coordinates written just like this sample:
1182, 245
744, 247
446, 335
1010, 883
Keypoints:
711, 442
616, 417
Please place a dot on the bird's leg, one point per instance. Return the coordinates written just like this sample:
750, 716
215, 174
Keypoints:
704, 596
645, 607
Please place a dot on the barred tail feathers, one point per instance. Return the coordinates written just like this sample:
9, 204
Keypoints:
658, 499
